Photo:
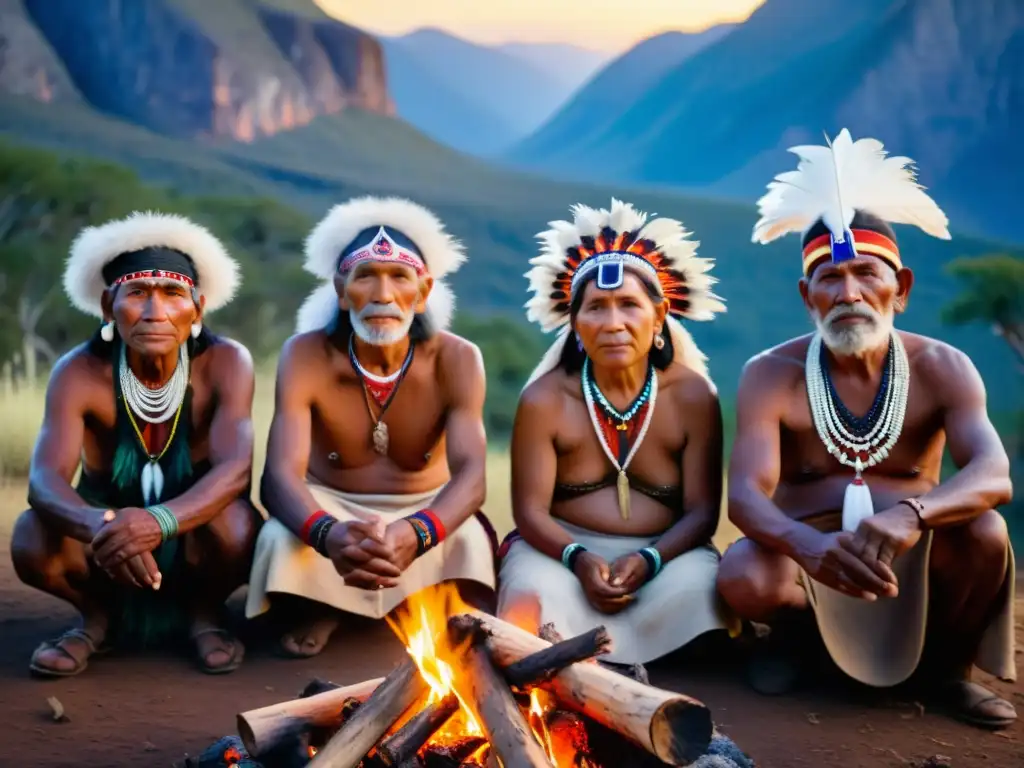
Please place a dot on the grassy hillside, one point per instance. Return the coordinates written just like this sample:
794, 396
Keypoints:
498, 213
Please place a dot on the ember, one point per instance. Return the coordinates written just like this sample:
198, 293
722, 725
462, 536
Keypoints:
477, 692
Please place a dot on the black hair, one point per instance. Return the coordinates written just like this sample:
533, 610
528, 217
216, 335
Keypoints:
340, 329
572, 357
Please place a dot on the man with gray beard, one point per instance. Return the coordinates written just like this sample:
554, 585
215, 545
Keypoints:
376, 457
835, 474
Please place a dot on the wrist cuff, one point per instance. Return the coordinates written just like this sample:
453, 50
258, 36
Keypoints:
918, 508
653, 558
315, 530
430, 531
166, 520
571, 553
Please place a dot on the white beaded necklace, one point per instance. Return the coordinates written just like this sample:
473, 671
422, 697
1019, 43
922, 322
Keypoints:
155, 405
622, 483
848, 448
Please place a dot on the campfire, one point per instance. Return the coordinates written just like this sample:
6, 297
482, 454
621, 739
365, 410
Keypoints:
479, 692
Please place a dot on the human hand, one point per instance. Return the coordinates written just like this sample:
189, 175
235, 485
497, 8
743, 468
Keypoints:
827, 560
131, 532
595, 578
140, 571
882, 538
629, 572
361, 555
402, 542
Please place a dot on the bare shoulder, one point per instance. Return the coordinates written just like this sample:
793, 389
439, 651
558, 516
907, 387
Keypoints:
781, 366
688, 388
303, 350
77, 368
457, 353
941, 367
230, 359
546, 396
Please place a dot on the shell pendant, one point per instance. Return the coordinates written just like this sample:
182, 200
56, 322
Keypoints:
380, 438
152, 482
622, 486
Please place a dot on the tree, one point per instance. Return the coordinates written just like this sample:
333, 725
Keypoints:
993, 293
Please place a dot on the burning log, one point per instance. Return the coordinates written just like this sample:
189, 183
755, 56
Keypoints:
264, 729
361, 732
492, 701
403, 745
675, 728
544, 664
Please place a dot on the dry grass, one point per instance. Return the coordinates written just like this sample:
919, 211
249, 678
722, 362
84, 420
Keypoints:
21, 411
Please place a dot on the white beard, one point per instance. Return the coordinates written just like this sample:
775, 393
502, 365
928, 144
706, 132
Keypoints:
858, 338
380, 337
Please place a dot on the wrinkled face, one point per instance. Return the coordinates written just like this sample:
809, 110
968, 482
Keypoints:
382, 299
854, 304
153, 316
617, 327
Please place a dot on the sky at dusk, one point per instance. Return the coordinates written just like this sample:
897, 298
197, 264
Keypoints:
605, 25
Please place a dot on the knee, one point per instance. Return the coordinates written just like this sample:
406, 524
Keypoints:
755, 589
985, 541
32, 556
230, 537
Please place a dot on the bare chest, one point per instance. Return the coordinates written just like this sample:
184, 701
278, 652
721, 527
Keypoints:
916, 453
352, 428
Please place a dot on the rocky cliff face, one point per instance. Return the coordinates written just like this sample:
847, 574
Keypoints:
233, 69
28, 65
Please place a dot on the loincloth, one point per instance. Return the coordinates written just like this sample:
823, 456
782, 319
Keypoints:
880, 643
672, 609
285, 565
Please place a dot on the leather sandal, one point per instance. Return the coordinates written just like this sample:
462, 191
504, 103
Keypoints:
81, 660
973, 704
237, 651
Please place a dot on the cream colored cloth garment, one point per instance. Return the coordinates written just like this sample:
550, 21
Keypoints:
283, 564
672, 609
880, 643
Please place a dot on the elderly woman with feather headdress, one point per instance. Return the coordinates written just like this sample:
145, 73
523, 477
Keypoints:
616, 448
835, 472
154, 410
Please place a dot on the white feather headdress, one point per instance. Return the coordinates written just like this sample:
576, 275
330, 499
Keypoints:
611, 240
441, 253
217, 274
832, 183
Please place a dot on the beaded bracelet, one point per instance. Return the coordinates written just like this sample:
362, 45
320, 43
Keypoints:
918, 508
653, 558
315, 529
166, 520
430, 531
571, 554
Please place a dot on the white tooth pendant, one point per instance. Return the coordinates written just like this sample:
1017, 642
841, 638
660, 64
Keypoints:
152, 482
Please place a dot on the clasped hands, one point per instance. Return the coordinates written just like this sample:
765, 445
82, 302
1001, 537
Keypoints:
122, 545
610, 588
369, 554
859, 564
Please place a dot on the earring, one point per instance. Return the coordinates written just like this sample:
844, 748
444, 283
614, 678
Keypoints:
579, 343
107, 332
197, 328
659, 341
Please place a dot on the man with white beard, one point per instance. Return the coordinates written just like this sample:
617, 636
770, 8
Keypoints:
376, 457
835, 473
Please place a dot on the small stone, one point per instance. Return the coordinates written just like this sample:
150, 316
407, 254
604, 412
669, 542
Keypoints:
58, 710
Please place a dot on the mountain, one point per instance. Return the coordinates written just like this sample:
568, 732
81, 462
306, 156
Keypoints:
609, 92
943, 84
193, 68
472, 97
571, 64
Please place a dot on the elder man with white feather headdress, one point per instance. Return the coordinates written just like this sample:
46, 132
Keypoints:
155, 410
375, 465
835, 472
616, 449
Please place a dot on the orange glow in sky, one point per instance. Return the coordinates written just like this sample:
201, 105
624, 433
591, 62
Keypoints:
606, 25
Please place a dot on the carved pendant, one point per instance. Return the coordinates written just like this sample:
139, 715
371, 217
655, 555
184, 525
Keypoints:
152, 482
622, 486
380, 438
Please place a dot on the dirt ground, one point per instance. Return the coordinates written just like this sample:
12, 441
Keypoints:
155, 710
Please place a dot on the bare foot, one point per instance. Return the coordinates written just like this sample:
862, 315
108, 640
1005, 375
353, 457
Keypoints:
976, 705
310, 637
68, 655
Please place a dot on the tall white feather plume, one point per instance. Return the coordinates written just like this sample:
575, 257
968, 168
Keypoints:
832, 182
